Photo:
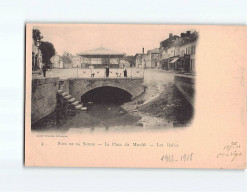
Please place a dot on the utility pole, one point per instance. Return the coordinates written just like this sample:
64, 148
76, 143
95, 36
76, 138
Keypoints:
77, 71
131, 71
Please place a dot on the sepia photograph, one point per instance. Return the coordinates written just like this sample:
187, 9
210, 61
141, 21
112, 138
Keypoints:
157, 93
112, 78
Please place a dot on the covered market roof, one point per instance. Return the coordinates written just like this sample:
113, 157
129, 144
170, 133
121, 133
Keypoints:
101, 52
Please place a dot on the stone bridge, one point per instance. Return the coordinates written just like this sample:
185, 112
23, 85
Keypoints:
77, 87
44, 91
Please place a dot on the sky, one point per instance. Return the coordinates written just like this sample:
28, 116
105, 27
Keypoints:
127, 38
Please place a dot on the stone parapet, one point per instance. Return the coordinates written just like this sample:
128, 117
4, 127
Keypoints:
186, 85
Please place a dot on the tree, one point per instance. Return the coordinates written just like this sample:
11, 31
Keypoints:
47, 50
37, 35
130, 59
66, 59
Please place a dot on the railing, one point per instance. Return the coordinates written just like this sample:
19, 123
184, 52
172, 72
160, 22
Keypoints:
113, 73
88, 73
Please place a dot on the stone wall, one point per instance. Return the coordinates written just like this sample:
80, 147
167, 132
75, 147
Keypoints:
44, 92
186, 85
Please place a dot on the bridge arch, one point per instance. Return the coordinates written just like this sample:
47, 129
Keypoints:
106, 94
79, 87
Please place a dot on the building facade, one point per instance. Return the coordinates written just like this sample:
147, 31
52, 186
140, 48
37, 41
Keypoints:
151, 58
178, 53
57, 61
138, 60
147, 60
36, 55
76, 61
188, 52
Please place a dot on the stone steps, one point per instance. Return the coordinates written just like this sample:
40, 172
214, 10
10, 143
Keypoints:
77, 105
83, 108
65, 94
67, 97
71, 100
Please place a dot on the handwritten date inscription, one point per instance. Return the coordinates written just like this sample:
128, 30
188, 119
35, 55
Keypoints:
230, 151
170, 158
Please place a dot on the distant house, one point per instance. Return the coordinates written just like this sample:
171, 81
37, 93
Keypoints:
151, 58
57, 61
167, 48
138, 60
76, 61
148, 60
67, 60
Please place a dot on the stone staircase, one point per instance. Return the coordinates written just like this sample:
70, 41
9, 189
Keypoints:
70, 100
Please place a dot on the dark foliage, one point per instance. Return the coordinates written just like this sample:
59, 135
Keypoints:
130, 59
47, 50
37, 35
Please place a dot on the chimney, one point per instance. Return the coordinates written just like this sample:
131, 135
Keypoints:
188, 33
143, 50
170, 35
182, 35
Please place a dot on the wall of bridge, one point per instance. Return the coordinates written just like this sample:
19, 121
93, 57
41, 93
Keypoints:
186, 85
80, 86
44, 97
44, 91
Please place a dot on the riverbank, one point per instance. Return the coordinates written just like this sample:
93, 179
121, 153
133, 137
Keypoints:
161, 104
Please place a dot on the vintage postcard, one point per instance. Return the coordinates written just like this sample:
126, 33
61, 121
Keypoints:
136, 95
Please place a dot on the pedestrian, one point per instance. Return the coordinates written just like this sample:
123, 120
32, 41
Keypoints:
44, 70
107, 70
124, 71
92, 70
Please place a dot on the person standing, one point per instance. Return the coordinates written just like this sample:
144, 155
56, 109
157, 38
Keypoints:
124, 71
44, 70
107, 70
92, 70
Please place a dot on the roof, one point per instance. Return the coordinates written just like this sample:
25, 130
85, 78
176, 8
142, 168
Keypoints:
193, 37
101, 52
168, 41
156, 50
176, 42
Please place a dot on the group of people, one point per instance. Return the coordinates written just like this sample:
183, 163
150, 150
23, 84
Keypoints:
107, 70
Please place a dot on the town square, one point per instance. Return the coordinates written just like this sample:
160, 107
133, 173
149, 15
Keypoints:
105, 89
